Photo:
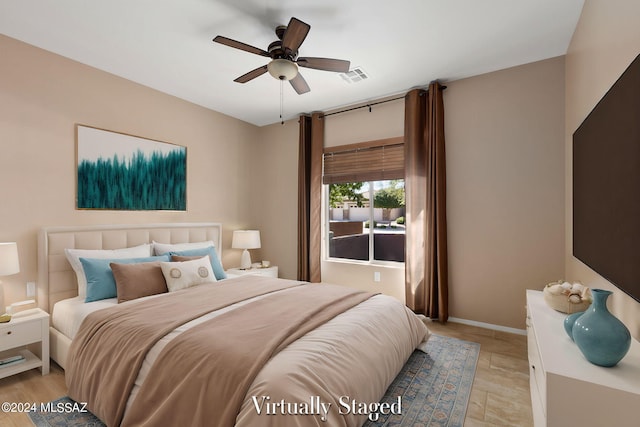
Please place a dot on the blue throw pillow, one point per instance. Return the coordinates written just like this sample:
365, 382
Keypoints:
100, 281
216, 265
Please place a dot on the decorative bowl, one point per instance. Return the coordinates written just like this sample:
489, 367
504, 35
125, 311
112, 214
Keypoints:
567, 298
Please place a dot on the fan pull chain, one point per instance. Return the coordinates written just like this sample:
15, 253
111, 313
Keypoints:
281, 101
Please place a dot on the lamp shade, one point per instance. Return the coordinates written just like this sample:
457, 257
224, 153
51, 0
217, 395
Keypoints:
282, 69
9, 262
246, 239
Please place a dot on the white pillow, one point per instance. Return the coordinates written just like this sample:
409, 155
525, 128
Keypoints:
184, 274
163, 248
74, 255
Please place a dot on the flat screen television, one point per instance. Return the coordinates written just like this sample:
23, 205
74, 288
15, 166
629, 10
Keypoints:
606, 185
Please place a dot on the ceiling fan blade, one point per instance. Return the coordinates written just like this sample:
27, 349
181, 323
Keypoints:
326, 64
299, 84
251, 74
239, 45
294, 35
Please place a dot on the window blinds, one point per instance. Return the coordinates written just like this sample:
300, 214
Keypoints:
372, 161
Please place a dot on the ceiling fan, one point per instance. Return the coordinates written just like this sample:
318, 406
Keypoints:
284, 56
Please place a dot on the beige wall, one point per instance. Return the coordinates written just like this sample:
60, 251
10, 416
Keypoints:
44, 95
274, 195
605, 42
505, 160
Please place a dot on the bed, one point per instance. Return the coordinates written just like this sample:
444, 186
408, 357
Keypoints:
292, 365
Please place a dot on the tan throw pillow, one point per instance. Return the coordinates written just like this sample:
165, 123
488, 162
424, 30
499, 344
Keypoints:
138, 280
180, 258
181, 275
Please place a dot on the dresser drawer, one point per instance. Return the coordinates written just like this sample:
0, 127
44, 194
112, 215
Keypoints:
537, 377
18, 334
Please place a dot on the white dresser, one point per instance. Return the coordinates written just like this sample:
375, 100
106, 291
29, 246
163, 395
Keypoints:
566, 389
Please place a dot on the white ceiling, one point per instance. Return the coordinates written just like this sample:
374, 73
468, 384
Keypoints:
400, 44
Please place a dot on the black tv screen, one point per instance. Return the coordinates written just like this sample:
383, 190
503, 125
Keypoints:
606, 185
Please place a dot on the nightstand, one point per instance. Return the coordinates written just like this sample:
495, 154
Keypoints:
267, 272
26, 327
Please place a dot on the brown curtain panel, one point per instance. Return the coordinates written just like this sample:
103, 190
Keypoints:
426, 264
310, 196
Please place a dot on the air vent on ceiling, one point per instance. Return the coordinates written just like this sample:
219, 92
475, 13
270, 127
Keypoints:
356, 75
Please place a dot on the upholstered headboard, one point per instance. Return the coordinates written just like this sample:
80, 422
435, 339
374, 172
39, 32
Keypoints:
56, 279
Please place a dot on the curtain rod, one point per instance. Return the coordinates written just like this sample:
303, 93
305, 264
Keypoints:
371, 104
363, 106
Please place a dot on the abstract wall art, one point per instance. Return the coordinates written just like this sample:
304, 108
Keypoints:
117, 171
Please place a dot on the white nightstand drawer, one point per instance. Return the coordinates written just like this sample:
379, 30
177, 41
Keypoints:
14, 335
26, 327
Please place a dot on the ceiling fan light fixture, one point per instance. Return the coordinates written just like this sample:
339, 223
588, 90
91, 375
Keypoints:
282, 69
284, 57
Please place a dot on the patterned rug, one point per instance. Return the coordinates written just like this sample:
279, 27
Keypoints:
434, 388
65, 413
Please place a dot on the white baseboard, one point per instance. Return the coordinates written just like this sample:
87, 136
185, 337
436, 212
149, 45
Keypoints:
488, 326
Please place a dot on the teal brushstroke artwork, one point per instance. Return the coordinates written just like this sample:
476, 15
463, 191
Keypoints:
122, 172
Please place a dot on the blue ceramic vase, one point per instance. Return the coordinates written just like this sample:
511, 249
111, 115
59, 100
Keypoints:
569, 322
601, 337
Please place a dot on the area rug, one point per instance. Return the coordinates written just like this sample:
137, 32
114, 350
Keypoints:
64, 412
433, 389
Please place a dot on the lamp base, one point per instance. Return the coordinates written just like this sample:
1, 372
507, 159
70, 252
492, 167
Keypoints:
245, 261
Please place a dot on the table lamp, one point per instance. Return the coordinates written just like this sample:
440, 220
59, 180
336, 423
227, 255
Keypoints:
9, 264
245, 239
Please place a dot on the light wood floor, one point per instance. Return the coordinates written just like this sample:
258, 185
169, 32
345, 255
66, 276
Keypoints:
499, 397
30, 387
500, 393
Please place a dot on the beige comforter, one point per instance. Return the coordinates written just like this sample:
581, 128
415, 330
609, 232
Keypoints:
324, 378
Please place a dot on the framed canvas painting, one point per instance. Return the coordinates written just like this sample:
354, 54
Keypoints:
117, 171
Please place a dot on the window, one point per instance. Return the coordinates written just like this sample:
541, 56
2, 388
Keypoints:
364, 186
